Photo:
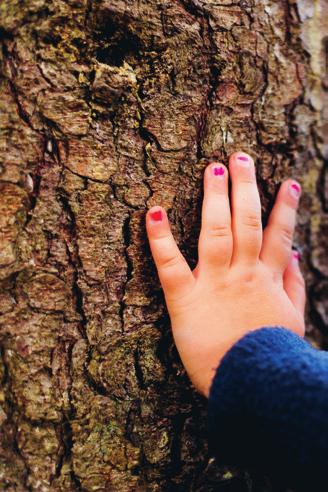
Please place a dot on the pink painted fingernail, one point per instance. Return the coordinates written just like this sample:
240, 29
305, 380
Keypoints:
156, 216
243, 160
218, 171
295, 190
296, 255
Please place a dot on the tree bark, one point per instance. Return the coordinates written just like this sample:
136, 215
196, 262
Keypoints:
107, 108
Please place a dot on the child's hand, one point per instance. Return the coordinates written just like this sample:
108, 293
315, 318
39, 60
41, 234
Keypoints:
242, 281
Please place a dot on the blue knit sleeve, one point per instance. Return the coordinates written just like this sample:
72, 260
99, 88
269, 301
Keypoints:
268, 408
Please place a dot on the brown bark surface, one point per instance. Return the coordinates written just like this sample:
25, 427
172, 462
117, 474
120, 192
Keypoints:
106, 108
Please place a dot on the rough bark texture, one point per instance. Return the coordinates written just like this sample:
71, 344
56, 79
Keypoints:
109, 107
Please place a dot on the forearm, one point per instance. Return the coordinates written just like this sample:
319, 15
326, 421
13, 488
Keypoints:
268, 406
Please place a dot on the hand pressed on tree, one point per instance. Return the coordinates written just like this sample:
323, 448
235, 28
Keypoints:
244, 279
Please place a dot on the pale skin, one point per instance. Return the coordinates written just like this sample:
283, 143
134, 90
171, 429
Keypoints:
245, 277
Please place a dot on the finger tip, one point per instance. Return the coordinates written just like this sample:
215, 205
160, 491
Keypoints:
293, 268
215, 168
240, 159
155, 214
296, 258
154, 208
241, 155
296, 186
290, 181
292, 190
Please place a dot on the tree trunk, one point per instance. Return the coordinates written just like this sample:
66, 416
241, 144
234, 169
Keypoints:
109, 107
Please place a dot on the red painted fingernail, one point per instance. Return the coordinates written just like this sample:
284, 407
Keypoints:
295, 190
218, 171
156, 216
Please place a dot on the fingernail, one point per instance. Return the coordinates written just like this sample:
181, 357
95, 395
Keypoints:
243, 160
296, 255
156, 216
218, 171
295, 190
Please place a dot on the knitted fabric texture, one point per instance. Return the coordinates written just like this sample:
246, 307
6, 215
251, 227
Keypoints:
268, 408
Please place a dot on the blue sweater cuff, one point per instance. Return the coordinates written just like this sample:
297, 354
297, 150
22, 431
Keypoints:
268, 408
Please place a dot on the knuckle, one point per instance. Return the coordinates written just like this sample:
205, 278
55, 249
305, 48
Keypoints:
286, 234
219, 190
253, 221
220, 231
169, 262
248, 179
248, 277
